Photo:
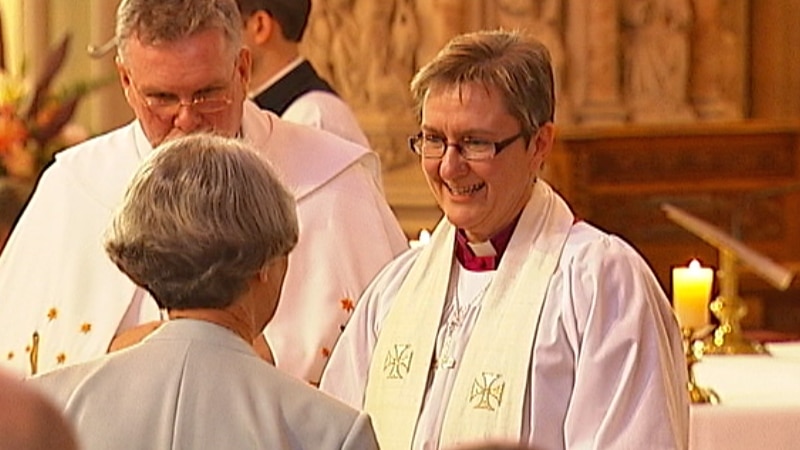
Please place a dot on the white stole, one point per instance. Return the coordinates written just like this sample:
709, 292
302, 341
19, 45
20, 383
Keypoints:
488, 396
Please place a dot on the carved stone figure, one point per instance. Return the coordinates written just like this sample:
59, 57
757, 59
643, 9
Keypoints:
713, 58
656, 59
543, 19
345, 51
390, 37
439, 21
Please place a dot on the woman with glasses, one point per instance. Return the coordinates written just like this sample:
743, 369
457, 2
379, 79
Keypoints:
517, 322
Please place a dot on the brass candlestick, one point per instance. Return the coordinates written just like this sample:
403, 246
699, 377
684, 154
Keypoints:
729, 308
697, 394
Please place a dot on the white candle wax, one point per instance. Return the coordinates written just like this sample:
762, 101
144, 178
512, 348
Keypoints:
691, 291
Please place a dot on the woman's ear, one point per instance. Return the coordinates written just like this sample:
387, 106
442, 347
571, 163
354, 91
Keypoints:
540, 146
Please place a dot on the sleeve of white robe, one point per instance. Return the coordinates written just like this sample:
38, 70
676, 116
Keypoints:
347, 234
629, 382
345, 376
326, 111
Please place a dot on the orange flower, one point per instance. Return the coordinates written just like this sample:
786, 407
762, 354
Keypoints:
12, 131
33, 114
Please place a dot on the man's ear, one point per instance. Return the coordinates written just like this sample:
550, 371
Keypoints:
259, 27
245, 65
124, 78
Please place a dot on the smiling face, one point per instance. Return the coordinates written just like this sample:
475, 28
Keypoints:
481, 197
202, 64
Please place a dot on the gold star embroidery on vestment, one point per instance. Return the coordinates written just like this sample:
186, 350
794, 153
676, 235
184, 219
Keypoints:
61, 358
52, 314
10, 356
347, 304
86, 327
326, 352
27, 349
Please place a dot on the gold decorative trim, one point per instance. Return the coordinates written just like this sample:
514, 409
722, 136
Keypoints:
487, 391
398, 361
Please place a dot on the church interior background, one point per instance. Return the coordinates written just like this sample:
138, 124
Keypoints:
691, 102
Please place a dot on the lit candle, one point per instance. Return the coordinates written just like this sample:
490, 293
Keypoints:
423, 238
691, 291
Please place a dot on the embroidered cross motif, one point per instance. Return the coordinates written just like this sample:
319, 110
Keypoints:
488, 391
398, 362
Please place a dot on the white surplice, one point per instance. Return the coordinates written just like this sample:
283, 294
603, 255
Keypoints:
56, 280
328, 112
196, 385
318, 109
606, 368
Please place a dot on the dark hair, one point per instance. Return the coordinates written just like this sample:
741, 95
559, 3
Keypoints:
292, 15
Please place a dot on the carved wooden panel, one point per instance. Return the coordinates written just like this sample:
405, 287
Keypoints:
742, 177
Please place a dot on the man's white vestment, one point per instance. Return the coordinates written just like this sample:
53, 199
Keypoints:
62, 300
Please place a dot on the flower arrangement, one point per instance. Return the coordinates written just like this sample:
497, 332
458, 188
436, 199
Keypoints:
34, 117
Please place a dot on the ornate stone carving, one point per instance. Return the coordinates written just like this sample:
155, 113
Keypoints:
593, 37
713, 54
543, 19
656, 59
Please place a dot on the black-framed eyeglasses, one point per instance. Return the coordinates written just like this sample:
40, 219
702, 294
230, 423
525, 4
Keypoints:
434, 147
168, 105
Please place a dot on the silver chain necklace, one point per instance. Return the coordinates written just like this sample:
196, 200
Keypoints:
454, 321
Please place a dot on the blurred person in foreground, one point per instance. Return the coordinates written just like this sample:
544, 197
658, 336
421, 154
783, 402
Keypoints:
206, 228
517, 322
184, 69
28, 421
282, 80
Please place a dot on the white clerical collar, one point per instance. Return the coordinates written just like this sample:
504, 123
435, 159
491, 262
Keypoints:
281, 73
482, 249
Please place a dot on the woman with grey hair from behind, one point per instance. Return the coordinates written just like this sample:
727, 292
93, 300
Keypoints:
206, 228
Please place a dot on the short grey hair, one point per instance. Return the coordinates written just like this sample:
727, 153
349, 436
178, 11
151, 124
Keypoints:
202, 216
154, 21
518, 65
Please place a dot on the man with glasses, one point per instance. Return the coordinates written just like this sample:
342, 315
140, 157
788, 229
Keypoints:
184, 70
282, 80
517, 322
